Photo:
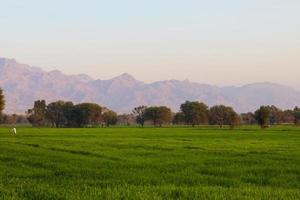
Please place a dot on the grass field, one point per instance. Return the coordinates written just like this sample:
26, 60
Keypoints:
150, 163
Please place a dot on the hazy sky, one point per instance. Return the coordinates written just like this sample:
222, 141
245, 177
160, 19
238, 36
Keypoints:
217, 41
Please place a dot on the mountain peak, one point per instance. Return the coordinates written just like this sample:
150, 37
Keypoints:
83, 77
55, 72
23, 84
125, 77
3, 61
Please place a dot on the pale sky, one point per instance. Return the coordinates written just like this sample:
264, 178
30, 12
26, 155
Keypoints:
220, 42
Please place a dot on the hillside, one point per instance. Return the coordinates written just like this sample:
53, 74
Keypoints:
23, 84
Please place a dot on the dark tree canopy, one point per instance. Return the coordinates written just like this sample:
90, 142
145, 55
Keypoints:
223, 115
218, 115
61, 114
178, 118
65, 114
276, 115
37, 115
159, 115
288, 117
234, 119
296, 114
90, 113
139, 113
248, 118
110, 118
2, 101
262, 116
194, 112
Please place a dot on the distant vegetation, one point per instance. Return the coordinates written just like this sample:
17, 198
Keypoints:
2, 101
67, 114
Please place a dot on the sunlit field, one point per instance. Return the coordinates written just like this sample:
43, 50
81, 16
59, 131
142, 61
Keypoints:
150, 163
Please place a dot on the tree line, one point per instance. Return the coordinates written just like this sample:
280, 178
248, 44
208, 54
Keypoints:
271, 115
67, 114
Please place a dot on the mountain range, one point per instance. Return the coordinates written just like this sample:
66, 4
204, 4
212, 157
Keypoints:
23, 84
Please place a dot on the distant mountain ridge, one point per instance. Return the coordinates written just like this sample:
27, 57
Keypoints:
23, 84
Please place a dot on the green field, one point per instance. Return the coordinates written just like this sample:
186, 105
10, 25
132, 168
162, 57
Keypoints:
150, 163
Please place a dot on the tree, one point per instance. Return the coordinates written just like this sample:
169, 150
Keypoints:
178, 118
152, 114
218, 115
66, 114
91, 113
194, 112
21, 119
297, 115
276, 115
126, 119
139, 113
110, 118
158, 115
288, 116
72, 115
248, 118
262, 116
2, 101
55, 113
223, 115
13, 119
37, 115
165, 115
234, 119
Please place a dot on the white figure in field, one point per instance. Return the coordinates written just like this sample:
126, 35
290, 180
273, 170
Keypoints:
14, 130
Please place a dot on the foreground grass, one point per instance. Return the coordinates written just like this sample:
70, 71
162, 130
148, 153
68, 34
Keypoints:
150, 163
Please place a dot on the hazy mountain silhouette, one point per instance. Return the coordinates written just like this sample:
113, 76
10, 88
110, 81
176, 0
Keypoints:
23, 84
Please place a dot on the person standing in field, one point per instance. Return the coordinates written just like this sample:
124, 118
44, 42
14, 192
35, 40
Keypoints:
14, 130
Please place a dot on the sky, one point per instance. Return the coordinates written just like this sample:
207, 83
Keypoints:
218, 42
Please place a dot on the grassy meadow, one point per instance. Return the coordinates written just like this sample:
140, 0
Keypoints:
150, 163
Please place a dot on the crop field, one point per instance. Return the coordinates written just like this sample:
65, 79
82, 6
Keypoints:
150, 163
